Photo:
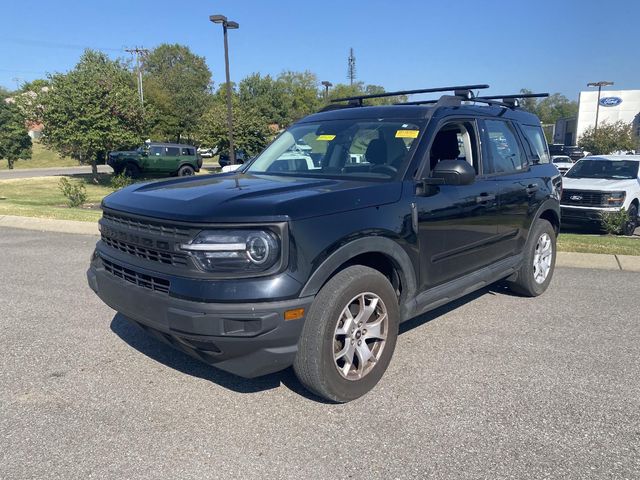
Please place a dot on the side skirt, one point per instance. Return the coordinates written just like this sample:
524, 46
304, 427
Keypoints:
447, 292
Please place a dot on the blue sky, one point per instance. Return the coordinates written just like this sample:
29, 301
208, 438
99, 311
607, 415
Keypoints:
555, 46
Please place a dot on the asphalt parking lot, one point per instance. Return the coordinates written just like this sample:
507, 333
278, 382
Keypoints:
494, 386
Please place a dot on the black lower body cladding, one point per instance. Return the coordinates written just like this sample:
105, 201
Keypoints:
246, 339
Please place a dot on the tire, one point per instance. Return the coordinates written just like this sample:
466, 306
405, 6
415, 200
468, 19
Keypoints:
186, 171
539, 261
132, 170
632, 223
319, 363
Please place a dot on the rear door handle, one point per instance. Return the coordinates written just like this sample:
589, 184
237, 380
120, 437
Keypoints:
485, 197
532, 188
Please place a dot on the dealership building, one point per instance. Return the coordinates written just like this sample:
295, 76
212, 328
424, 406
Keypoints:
614, 106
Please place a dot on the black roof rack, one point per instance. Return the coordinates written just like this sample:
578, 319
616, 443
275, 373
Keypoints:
512, 100
460, 91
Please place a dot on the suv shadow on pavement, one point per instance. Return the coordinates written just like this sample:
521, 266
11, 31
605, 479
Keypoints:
137, 338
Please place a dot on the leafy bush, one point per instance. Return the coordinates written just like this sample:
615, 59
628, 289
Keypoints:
614, 222
75, 192
120, 180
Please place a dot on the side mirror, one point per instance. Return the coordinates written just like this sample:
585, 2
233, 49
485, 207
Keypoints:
454, 172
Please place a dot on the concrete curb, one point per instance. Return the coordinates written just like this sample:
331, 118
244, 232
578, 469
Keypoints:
49, 225
628, 263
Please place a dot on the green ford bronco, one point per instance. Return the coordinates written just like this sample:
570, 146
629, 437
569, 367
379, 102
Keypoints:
157, 158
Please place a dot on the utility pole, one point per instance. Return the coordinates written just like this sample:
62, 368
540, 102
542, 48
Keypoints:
138, 51
351, 72
599, 85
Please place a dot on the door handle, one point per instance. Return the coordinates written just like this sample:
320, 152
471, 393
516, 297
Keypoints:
532, 188
485, 197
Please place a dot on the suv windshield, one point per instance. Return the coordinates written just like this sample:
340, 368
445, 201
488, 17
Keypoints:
375, 149
591, 168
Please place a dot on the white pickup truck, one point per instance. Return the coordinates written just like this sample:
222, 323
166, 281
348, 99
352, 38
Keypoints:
602, 183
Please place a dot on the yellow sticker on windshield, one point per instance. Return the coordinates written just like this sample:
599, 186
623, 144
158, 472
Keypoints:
325, 138
407, 133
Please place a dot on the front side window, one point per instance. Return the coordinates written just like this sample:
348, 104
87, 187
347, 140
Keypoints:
455, 141
155, 151
535, 137
608, 169
368, 148
505, 153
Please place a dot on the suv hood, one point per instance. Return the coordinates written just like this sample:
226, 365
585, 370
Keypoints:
237, 197
602, 184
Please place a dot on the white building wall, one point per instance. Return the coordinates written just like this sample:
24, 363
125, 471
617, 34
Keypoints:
626, 111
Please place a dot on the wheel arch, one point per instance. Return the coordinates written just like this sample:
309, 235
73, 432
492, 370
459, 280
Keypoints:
550, 211
379, 253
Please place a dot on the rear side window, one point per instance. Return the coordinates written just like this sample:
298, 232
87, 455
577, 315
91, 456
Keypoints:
188, 151
505, 152
172, 151
538, 143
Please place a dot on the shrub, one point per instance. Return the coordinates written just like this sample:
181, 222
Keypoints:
614, 223
120, 180
75, 192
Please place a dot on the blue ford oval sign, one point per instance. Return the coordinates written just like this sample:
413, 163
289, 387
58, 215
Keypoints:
610, 101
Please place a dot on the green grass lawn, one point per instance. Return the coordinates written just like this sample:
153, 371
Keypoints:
40, 197
575, 242
41, 157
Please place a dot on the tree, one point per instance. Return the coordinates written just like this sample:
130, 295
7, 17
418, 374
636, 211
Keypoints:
609, 138
177, 83
300, 90
342, 90
250, 129
15, 142
4, 93
92, 109
267, 96
551, 108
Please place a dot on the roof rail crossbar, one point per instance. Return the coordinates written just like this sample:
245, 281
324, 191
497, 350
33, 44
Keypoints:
460, 90
513, 100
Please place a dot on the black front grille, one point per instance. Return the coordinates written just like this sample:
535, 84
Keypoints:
146, 281
148, 226
146, 253
584, 198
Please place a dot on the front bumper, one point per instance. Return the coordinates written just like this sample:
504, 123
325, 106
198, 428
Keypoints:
246, 339
584, 214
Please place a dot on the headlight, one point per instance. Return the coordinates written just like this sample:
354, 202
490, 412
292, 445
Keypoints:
615, 199
235, 250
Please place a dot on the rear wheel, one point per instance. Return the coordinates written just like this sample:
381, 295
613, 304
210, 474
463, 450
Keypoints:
186, 171
349, 335
632, 222
539, 261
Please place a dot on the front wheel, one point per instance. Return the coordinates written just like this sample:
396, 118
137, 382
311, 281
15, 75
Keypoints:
349, 335
539, 260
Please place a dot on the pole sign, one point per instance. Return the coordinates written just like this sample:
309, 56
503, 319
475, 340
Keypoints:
610, 101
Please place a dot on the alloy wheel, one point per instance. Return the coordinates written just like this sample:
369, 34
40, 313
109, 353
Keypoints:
542, 258
360, 335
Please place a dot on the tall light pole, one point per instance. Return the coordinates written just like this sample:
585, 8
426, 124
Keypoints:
226, 25
599, 85
326, 85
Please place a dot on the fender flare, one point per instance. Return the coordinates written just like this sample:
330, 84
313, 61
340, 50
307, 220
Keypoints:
382, 245
548, 204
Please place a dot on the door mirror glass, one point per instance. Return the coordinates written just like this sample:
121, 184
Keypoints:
454, 172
